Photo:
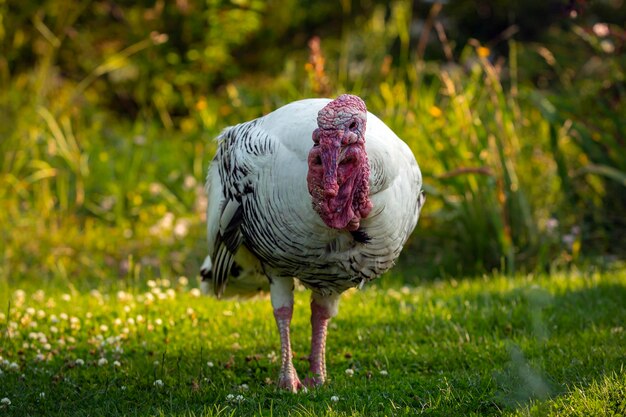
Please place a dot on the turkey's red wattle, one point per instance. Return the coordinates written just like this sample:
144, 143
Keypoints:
338, 176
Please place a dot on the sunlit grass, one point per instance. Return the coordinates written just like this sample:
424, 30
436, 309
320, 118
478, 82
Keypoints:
101, 214
485, 346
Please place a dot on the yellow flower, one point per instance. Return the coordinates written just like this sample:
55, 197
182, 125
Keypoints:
483, 52
435, 111
201, 104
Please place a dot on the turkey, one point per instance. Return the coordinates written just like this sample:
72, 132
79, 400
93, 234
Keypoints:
333, 212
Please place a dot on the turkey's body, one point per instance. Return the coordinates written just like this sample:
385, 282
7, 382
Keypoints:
261, 166
262, 224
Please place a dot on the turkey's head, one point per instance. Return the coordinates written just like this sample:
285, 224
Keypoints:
338, 177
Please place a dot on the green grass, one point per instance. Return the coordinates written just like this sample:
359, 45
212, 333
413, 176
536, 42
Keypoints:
105, 137
528, 345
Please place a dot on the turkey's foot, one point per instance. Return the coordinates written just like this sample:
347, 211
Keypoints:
289, 380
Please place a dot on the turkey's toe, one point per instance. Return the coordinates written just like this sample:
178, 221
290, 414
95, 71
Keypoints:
290, 383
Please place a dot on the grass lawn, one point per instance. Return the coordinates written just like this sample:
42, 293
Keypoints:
529, 345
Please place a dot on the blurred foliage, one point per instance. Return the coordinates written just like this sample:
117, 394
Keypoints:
107, 110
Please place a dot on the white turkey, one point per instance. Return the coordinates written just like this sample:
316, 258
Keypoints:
333, 212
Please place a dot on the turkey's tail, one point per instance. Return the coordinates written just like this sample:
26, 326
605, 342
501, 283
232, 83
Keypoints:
206, 272
245, 281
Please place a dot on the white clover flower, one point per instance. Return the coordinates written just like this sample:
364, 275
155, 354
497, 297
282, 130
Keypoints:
117, 322
5, 401
104, 328
244, 387
183, 281
384, 373
158, 322
181, 228
54, 319
42, 395
601, 29
66, 297
123, 387
41, 314
210, 364
63, 316
239, 398
102, 361
151, 283
155, 363
349, 372
158, 383
13, 366
607, 46
54, 329
30, 311
230, 397
189, 182
334, 398
39, 296
79, 362
195, 292
40, 357
117, 364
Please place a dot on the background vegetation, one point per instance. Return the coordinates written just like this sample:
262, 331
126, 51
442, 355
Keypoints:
514, 111
108, 110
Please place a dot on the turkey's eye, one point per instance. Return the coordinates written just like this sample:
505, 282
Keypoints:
353, 126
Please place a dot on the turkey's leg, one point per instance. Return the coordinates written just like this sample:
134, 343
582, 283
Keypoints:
322, 310
281, 292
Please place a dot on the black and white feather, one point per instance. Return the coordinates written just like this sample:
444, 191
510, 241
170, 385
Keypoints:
260, 219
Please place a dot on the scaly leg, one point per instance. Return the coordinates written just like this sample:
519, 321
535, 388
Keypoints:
322, 310
281, 292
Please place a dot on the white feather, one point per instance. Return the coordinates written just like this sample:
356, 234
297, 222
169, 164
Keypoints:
283, 204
